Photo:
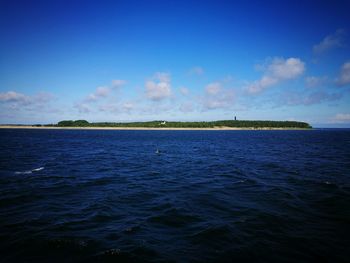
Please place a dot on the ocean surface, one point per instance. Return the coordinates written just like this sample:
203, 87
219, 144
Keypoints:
174, 196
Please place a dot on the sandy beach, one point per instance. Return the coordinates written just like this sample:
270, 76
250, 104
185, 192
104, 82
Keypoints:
141, 128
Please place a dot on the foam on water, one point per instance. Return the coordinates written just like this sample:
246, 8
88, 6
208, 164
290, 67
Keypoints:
24, 172
30, 171
38, 169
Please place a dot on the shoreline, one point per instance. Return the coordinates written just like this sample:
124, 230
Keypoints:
146, 128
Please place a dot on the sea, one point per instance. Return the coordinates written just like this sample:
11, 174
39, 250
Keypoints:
174, 196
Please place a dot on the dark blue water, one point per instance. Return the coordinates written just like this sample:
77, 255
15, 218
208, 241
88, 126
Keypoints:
207, 196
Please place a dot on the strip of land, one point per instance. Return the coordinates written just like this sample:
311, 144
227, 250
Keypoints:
140, 128
164, 125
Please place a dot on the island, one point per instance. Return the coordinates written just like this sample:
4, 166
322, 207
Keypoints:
169, 125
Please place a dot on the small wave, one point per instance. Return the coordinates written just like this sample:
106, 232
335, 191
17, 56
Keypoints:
175, 218
30, 171
240, 181
24, 172
38, 169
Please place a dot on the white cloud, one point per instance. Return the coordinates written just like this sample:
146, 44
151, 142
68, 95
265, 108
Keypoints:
101, 92
128, 106
286, 69
259, 85
12, 96
17, 100
319, 97
102, 98
162, 76
104, 91
82, 107
217, 97
109, 107
184, 91
187, 107
344, 76
213, 88
42, 98
157, 109
277, 71
331, 41
159, 87
118, 83
116, 107
196, 71
212, 104
312, 81
294, 98
342, 117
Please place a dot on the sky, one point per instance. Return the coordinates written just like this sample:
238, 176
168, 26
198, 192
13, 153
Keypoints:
177, 60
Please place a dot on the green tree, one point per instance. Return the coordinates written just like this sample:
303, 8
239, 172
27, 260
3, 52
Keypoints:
66, 123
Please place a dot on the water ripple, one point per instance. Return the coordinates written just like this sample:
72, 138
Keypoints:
100, 196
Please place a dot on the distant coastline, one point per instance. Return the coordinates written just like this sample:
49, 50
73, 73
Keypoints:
143, 128
164, 125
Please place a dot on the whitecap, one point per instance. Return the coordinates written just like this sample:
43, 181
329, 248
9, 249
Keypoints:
24, 172
30, 171
38, 169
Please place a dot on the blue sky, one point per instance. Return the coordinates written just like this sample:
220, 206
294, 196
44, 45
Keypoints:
175, 60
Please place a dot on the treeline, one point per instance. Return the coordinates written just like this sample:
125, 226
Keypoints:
77, 123
202, 124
